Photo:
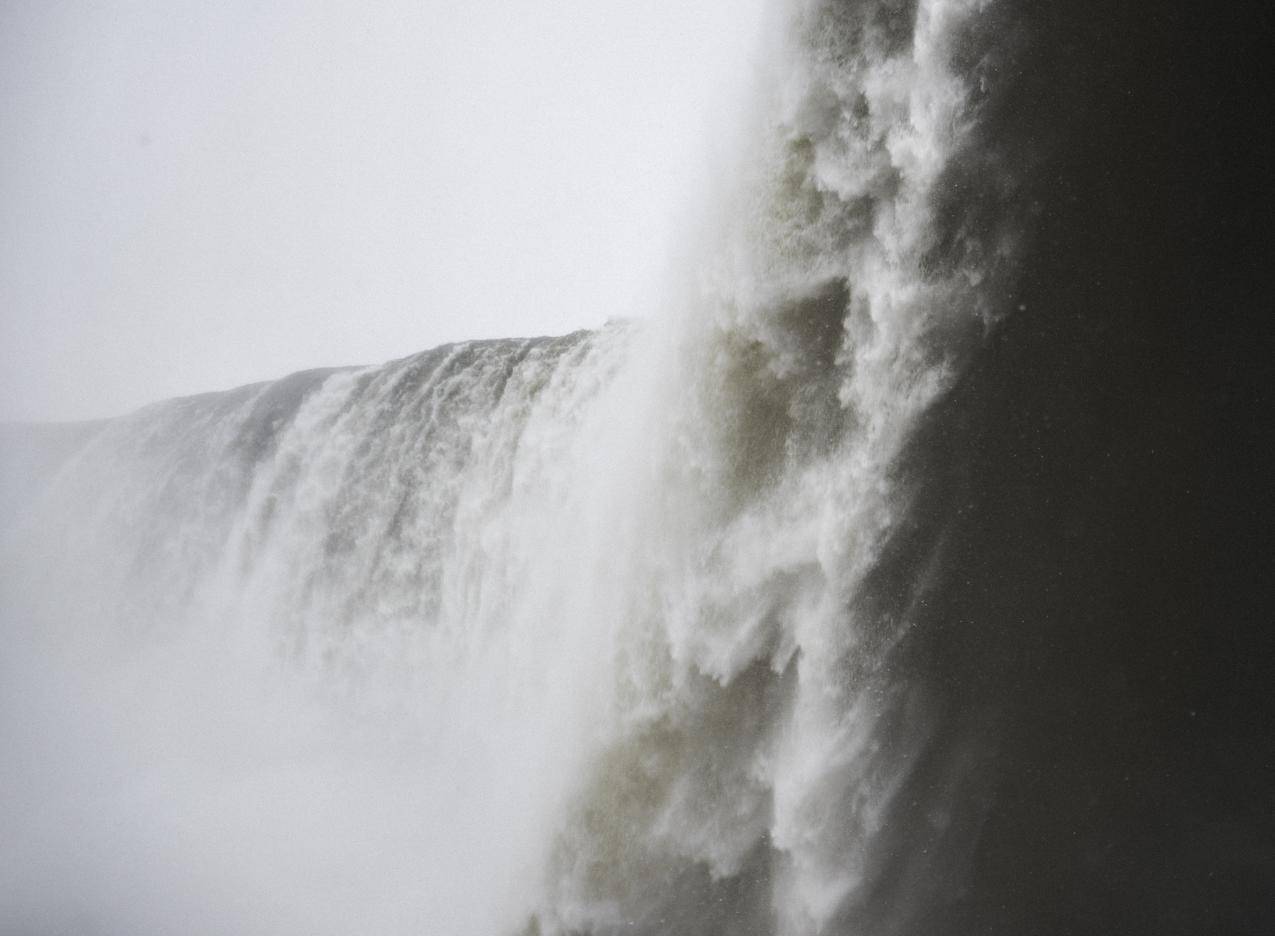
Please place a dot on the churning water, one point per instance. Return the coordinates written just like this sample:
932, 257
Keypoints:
623, 631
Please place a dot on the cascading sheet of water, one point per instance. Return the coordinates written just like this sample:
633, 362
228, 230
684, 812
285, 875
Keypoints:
339, 641
571, 635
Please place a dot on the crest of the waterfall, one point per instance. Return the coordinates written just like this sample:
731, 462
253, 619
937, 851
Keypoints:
377, 604
583, 626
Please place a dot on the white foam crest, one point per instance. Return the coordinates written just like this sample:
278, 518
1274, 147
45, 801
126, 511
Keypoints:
834, 218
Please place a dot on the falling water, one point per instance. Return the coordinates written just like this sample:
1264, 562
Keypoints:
610, 632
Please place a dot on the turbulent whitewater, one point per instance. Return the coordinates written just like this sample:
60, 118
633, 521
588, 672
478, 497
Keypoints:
610, 632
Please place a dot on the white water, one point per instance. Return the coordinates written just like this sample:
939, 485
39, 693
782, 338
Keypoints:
559, 628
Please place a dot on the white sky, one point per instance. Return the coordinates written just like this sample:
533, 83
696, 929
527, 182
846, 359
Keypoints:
197, 195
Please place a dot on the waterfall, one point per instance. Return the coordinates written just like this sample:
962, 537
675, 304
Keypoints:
599, 595
651, 629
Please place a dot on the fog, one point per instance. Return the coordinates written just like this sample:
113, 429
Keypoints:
196, 196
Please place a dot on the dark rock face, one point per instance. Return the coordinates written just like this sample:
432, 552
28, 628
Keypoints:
1099, 622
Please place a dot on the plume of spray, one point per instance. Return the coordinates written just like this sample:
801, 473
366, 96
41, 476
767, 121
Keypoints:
550, 635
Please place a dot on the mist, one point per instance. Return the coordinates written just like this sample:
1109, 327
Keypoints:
194, 197
602, 511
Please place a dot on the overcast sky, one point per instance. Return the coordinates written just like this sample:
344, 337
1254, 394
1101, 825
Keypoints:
197, 195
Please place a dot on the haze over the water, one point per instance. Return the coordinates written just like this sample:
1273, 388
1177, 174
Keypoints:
196, 196
900, 575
